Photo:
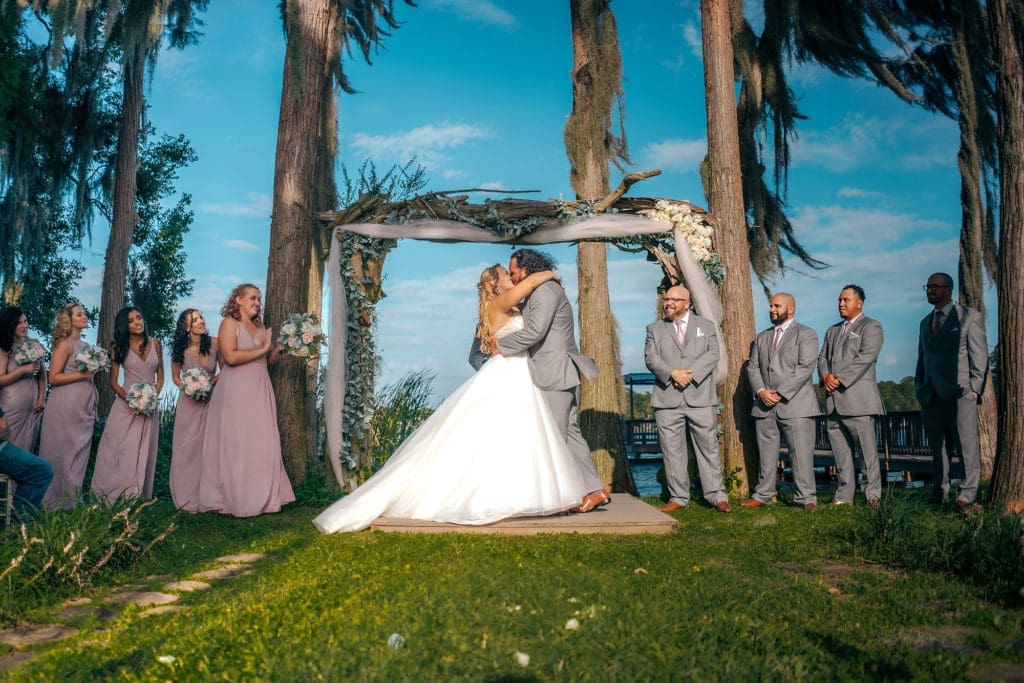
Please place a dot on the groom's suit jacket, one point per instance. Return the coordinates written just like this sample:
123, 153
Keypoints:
550, 337
787, 369
698, 353
853, 357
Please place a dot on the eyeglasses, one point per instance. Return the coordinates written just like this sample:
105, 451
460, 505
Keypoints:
931, 287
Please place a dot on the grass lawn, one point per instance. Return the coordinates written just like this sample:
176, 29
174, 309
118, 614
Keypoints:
768, 594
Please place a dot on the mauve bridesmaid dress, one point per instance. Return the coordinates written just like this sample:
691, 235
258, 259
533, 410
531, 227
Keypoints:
189, 430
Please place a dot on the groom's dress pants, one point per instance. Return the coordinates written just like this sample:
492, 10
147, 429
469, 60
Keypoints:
565, 409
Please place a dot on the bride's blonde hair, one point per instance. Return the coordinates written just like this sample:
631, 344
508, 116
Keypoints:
488, 289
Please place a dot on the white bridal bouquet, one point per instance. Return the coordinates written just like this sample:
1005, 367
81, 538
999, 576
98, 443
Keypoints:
196, 383
92, 358
30, 351
301, 336
142, 398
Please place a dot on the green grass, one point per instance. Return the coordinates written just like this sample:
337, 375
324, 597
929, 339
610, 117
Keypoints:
747, 596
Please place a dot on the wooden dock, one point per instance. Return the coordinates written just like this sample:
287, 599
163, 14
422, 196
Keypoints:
624, 515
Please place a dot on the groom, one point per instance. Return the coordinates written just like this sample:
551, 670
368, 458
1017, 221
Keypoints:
555, 362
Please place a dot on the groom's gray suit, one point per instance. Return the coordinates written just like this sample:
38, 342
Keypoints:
788, 370
556, 364
851, 408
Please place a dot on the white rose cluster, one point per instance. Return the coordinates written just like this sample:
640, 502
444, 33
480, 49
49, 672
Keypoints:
697, 232
301, 336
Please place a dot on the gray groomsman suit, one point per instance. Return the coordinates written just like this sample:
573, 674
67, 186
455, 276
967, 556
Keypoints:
851, 408
688, 409
556, 364
787, 369
951, 365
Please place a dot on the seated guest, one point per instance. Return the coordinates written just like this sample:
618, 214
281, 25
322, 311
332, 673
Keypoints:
30, 473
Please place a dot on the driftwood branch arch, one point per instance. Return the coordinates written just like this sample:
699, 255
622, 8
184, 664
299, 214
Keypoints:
448, 218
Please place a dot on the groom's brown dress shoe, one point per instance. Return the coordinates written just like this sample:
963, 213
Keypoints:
594, 500
672, 506
724, 506
752, 503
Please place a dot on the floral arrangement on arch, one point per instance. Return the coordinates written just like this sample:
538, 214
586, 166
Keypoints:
698, 233
142, 398
301, 336
196, 383
30, 351
92, 358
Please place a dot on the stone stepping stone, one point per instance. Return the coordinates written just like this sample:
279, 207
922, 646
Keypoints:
162, 609
75, 602
939, 638
142, 598
1000, 671
84, 612
243, 558
16, 658
24, 636
229, 571
188, 586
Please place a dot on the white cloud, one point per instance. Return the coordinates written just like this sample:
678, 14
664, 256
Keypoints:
257, 206
860, 228
425, 143
859, 193
241, 245
482, 11
866, 141
675, 154
691, 34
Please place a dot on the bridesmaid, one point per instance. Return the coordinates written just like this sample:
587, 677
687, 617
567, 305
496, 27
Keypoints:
242, 470
22, 387
192, 345
126, 457
66, 435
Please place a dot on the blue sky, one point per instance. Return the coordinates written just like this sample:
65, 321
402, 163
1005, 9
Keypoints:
478, 91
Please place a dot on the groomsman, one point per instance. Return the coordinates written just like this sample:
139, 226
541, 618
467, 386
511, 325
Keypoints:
952, 367
682, 352
846, 365
782, 360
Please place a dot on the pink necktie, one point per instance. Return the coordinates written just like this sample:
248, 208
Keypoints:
778, 336
680, 331
846, 328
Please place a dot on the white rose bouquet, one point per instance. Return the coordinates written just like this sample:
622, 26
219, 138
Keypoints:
301, 336
92, 358
142, 398
196, 383
30, 351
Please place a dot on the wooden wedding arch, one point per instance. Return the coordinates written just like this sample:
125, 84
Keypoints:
365, 231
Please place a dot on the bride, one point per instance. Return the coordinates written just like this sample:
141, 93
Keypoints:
492, 450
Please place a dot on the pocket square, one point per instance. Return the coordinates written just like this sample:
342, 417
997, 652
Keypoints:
700, 333
854, 334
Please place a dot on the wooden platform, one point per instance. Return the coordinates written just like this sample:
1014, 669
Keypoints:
624, 515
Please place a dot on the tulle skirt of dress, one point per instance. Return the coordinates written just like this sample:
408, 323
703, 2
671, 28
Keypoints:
490, 451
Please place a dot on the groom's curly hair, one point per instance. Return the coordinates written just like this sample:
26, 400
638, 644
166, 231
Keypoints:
533, 261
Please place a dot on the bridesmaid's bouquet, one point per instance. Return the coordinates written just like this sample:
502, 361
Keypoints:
142, 398
301, 336
30, 351
92, 358
196, 383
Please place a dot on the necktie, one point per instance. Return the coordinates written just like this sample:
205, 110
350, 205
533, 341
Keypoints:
846, 328
680, 331
778, 336
937, 322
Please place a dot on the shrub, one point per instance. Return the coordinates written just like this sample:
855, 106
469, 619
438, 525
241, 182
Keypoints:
62, 551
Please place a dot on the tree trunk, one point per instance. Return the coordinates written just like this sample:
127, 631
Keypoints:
972, 226
725, 198
310, 52
1007, 27
596, 80
115, 269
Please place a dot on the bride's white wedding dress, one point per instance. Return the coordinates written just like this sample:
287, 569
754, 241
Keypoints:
490, 451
